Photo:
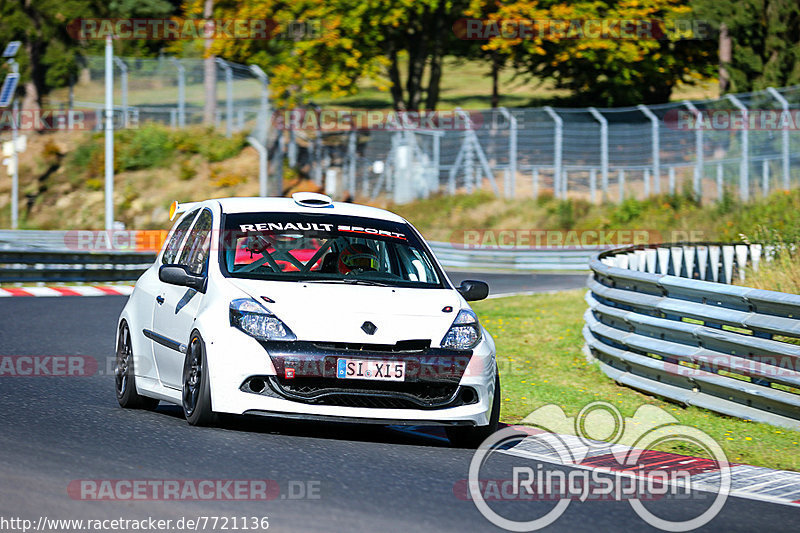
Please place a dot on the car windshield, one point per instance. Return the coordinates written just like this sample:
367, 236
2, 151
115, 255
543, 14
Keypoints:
325, 248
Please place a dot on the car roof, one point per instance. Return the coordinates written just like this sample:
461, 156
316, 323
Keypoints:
289, 205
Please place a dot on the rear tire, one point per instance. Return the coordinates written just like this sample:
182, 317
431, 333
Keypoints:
196, 394
125, 376
472, 437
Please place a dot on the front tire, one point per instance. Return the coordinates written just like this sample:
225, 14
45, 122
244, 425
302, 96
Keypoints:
472, 437
125, 377
196, 395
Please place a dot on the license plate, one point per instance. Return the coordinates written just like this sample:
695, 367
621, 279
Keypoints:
371, 369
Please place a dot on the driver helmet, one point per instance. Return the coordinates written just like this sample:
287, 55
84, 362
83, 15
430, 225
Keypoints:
357, 256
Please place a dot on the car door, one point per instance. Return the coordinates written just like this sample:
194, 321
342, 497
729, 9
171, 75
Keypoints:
176, 307
153, 289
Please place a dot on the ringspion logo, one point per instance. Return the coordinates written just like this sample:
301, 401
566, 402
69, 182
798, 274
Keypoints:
599, 434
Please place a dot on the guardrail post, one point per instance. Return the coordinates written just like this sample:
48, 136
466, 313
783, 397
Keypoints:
558, 148
603, 148
698, 149
784, 136
656, 156
744, 164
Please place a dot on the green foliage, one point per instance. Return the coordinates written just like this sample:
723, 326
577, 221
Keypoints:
605, 71
628, 211
765, 38
150, 146
145, 147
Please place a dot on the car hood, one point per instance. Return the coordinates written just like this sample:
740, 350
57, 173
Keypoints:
335, 312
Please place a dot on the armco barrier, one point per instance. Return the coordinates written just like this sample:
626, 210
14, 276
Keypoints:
514, 259
23, 266
664, 320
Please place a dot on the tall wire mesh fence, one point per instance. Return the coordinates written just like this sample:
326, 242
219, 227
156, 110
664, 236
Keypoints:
747, 144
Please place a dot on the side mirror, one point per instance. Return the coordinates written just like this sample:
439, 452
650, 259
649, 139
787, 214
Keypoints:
179, 275
473, 290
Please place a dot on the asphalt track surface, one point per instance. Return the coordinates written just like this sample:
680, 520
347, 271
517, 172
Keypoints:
54, 430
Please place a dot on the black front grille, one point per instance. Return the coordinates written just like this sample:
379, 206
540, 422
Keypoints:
371, 394
408, 346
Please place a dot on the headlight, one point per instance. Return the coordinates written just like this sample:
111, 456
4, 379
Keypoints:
257, 321
465, 333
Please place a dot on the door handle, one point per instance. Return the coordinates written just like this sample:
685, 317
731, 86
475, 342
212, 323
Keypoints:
160, 299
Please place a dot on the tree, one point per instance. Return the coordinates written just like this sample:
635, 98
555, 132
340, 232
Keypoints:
764, 41
399, 44
604, 71
50, 54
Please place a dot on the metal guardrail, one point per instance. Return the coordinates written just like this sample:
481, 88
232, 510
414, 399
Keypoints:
516, 259
21, 266
664, 321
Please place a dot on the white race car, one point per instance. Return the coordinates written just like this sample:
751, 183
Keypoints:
306, 308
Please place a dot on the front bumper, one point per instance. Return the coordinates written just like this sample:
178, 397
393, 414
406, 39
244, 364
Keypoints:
233, 367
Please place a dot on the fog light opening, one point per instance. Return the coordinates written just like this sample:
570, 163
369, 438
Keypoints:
256, 385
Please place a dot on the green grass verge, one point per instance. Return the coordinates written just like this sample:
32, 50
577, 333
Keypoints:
539, 352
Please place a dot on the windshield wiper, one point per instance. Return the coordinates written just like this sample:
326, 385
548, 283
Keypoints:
348, 281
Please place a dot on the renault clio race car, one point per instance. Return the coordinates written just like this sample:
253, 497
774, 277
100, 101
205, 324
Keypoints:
306, 308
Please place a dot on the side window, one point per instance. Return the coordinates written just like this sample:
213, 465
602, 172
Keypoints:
195, 251
174, 243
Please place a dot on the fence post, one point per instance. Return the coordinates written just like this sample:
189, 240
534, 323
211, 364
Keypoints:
654, 139
351, 163
512, 151
181, 91
621, 174
784, 136
744, 164
437, 158
535, 178
265, 113
764, 178
109, 137
123, 70
558, 148
698, 150
672, 180
228, 96
603, 147
593, 184
262, 164
719, 181
646, 182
